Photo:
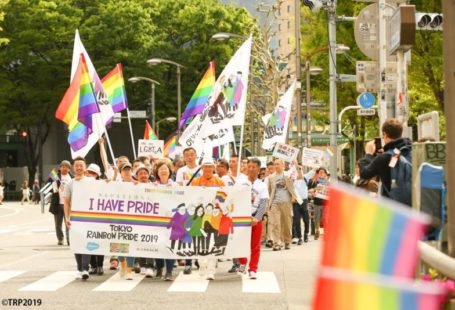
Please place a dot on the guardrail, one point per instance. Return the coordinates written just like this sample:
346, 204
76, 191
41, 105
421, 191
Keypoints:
443, 263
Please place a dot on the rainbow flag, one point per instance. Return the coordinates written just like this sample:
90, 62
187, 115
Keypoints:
329, 151
169, 146
200, 96
370, 235
221, 196
341, 290
77, 106
114, 86
149, 133
53, 175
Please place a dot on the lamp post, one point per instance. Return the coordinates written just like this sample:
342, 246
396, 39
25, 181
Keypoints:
309, 71
156, 61
168, 119
135, 79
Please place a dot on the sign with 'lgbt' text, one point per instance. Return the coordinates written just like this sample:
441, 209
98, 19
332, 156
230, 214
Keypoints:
150, 148
146, 220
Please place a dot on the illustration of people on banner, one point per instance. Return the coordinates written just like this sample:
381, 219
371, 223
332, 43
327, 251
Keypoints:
143, 220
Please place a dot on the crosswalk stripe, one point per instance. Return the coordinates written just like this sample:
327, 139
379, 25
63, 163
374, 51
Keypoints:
8, 274
189, 283
119, 284
265, 283
52, 282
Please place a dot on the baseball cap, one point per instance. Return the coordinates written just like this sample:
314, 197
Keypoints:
65, 163
208, 161
125, 165
140, 167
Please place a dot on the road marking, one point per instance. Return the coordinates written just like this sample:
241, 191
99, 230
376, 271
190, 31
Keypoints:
119, 284
17, 261
16, 211
5, 231
189, 283
265, 283
52, 282
8, 274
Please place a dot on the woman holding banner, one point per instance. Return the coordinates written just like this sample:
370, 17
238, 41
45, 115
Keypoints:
162, 173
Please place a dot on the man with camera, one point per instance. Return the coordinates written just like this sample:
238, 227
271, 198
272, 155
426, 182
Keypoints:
379, 161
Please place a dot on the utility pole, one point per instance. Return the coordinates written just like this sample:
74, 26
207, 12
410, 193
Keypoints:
308, 102
333, 89
298, 73
382, 95
448, 8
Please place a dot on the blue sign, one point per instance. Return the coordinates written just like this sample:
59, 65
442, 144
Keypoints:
366, 100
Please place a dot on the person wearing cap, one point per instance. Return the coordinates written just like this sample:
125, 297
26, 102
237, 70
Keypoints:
142, 174
126, 263
209, 179
58, 187
96, 261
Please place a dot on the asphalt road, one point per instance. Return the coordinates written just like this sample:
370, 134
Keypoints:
35, 270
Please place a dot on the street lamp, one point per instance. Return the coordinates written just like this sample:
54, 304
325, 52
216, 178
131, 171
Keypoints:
168, 119
136, 79
157, 61
221, 36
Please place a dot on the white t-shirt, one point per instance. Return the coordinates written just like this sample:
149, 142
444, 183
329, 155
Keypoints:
184, 174
68, 191
64, 179
258, 191
228, 180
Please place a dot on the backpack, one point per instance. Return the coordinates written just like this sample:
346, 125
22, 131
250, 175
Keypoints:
401, 176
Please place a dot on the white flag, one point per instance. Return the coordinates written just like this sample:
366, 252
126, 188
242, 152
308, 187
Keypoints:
227, 102
277, 124
100, 120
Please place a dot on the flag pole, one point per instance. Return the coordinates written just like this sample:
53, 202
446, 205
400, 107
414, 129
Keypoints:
131, 131
105, 130
240, 147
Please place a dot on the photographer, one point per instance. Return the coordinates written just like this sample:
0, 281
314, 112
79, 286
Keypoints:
376, 161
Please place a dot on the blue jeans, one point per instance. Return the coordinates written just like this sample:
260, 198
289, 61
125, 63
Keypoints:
169, 264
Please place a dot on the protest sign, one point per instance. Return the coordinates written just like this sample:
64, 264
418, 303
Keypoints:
146, 220
150, 148
313, 158
285, 152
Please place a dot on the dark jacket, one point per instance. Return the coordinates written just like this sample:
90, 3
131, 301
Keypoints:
371, 166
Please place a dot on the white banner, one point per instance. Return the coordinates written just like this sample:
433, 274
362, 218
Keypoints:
144, 220
277, 123
285, 152
224, 136
150, 148
191, 137
313, 158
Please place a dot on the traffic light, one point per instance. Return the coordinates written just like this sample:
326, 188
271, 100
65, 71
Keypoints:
429, 21
23, 134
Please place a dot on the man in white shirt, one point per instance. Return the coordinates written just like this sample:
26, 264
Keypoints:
58, 187
186, 173
79, 167
259, 199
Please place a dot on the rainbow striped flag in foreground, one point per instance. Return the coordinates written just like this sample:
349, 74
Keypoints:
114, 85
342, 290
77, 107
169, 146
149, 133
200, 97
363, 234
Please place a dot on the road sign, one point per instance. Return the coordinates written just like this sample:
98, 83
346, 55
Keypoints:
368, 76
347, 77
138, 114
366, 112
366, 100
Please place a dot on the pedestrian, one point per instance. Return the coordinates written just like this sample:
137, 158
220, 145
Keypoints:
79, 167
2, 191
25, 192
379, 162
267, 231
183, 177
163, 173
36, 193
317, 188
208, 179
57, 201
96, 261
301, 209
126, 263
259, 200
282, 195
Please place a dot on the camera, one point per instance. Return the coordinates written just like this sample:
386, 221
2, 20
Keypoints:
377, 144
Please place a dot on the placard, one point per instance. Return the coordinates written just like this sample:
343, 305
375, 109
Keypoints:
313, 158
150, 148
285, 152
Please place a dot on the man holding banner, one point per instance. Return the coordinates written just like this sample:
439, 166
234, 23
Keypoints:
79, 167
